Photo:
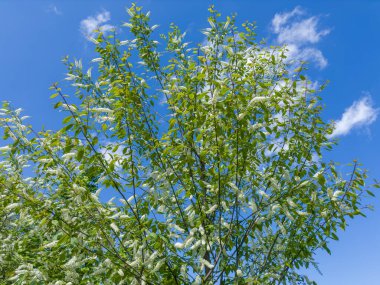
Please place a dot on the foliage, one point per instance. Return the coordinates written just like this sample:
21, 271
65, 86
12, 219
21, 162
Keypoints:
221, 183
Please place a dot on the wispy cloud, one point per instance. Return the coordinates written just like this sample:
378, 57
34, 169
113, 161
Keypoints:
308, 54
97, 22
300, 33
360, 114
280, 19
54, 9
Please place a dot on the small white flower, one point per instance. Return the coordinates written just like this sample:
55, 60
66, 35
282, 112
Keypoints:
12, 206
241, 116
206, 263
101, 110
302, 213
224, 205
5, 148
51, 244
257, 99
188, 242
181, 230
179, 245
291, 203
336, 195
212, 209
120, 272
68, 155
97, 59
114, 227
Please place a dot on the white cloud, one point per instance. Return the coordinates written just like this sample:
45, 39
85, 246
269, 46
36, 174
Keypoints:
300, 34
279, 20
314, 55
360, 114
98, 22
54, 9
308, 54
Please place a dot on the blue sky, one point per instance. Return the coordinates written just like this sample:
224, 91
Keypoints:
340, 39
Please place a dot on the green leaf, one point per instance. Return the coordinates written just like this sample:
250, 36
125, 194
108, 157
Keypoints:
67, 119
80, 154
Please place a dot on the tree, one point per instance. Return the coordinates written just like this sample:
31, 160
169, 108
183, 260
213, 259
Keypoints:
222, 183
